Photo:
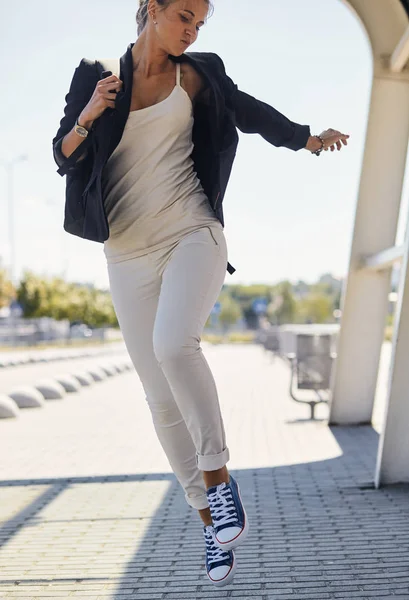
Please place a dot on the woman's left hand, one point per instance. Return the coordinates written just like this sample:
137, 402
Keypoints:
333, 138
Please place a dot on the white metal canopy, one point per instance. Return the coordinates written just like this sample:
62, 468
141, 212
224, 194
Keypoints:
374, 250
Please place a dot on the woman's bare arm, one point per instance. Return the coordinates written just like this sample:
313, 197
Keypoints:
72, 140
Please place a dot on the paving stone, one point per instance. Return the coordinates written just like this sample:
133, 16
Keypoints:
89, 507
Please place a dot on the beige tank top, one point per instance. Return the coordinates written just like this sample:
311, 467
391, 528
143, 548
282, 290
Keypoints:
152, 195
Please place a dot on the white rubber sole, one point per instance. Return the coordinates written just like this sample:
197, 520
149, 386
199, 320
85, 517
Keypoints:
240, 538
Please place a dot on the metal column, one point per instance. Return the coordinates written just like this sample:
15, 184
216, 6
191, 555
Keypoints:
365, 297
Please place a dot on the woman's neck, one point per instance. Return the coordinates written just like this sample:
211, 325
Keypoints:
148, 58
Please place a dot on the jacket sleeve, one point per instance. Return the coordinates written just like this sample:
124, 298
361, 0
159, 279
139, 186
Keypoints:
81, 89
255, 116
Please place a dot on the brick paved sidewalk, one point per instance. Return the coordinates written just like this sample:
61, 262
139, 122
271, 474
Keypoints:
89, 507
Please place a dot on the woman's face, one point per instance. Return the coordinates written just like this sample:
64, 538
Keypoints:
178, 25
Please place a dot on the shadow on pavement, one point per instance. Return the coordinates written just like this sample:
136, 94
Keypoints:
318, 530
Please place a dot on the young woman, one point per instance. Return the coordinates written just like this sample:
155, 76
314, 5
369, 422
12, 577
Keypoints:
157, 169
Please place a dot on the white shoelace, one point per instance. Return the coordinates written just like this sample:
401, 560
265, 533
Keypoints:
222, 506
214, 553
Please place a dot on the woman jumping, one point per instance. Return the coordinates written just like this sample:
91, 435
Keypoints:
159, 143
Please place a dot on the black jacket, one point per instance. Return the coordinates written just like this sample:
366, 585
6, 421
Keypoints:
215, 137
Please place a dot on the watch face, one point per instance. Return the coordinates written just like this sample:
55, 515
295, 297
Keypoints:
81, 131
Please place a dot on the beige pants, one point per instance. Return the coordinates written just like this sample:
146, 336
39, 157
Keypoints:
162, 301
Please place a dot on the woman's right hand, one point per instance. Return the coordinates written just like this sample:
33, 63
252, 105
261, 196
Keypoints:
332, 138
103, 97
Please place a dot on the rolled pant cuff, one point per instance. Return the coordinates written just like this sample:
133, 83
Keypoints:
212, 462
197, 502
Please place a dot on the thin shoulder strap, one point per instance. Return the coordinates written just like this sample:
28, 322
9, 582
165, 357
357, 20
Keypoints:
178, 74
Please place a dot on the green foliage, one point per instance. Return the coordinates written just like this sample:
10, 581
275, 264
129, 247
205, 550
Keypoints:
231, 338
230, 311
31, 294
315, 308
54, 297
7, 292
283, 307
287, 302
249, 292
241, 338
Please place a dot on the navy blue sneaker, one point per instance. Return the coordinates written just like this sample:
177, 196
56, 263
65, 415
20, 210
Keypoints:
229, 518
220, 565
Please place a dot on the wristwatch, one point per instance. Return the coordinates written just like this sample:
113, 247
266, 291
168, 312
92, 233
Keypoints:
80, 129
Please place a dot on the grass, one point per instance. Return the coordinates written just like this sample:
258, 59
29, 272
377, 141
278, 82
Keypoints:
211, 338
60, 344
230, 338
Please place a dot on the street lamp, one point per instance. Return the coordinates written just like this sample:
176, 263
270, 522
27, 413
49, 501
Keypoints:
63, 247
9, 166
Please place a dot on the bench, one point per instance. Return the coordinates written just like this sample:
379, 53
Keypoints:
311, 366
270, 340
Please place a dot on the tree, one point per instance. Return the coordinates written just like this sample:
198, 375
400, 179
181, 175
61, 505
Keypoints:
230, 311
31, 294
315, 308
245, 296
7, 291
60, 300
283, 308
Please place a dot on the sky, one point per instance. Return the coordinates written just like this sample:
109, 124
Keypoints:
288, 215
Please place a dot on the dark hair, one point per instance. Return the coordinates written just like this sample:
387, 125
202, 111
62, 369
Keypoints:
142, 14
